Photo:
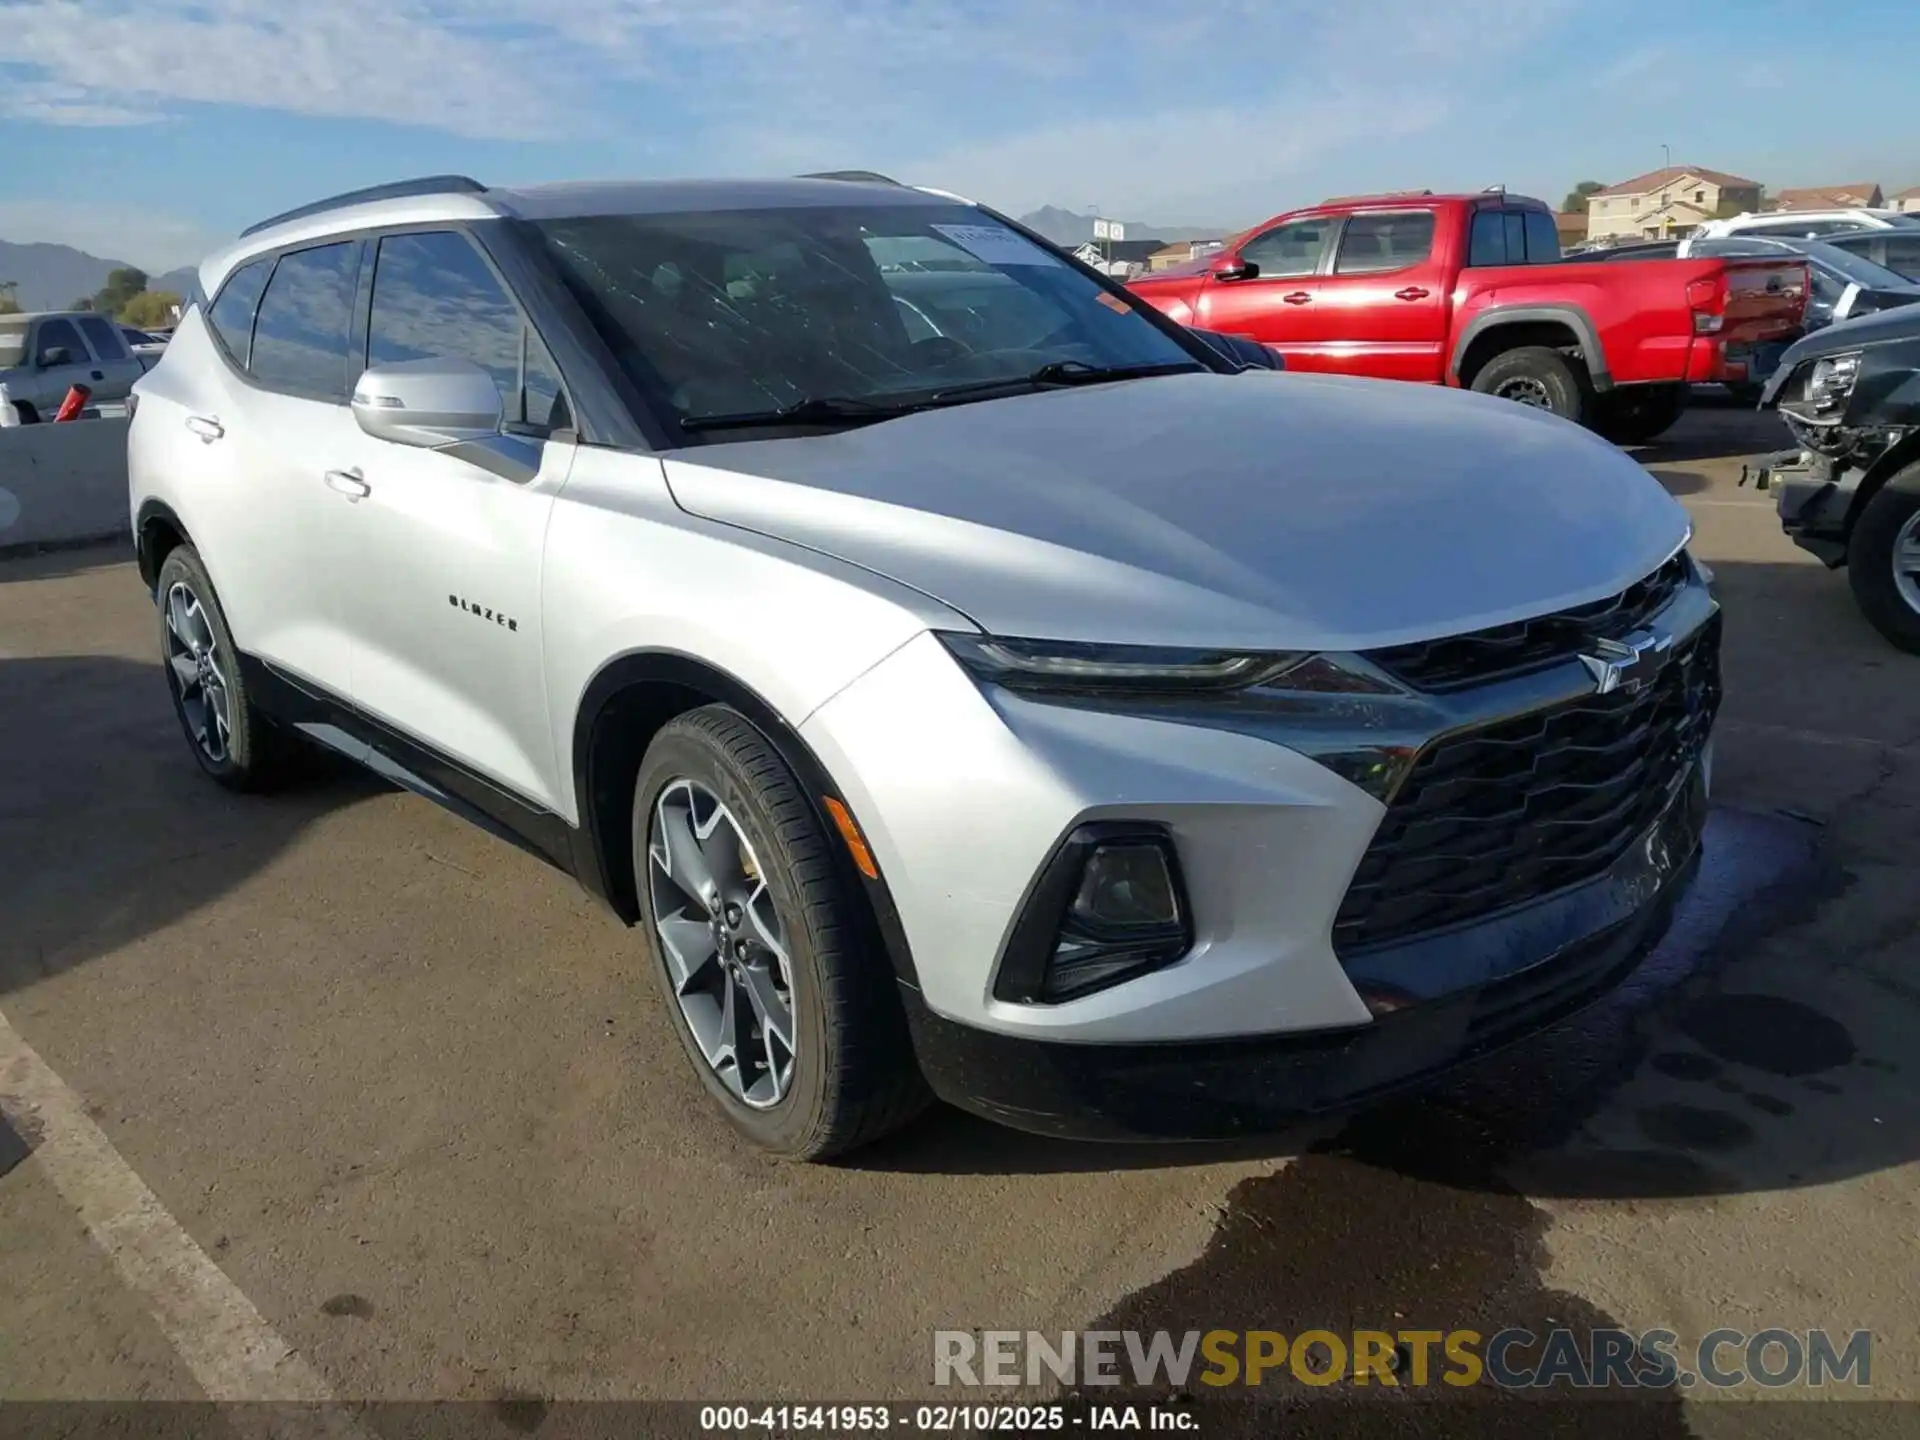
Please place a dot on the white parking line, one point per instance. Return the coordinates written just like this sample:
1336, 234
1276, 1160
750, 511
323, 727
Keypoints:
233, 1353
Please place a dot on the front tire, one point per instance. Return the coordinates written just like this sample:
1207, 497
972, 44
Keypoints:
1883, 560
1535, 376
792, 1022
234, 743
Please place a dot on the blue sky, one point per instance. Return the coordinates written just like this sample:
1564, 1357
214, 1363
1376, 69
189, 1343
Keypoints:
149, 130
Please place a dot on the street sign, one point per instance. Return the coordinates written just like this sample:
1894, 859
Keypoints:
1102, 229
1116, 230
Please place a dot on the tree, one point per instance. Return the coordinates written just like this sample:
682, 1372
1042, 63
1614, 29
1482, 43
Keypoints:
122, 285
149, 310
1576, 201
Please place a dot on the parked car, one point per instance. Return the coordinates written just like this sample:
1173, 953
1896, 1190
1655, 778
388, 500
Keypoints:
1104, 735
1850, 492
1471, 290
43, 356
146, 346
1808, 224
1897, 250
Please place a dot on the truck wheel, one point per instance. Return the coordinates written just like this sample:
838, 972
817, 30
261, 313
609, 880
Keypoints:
1536, 376
793, 1025
26, 410
1635, 414
1883, 560
233, 741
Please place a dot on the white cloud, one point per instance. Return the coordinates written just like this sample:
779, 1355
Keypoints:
155, 242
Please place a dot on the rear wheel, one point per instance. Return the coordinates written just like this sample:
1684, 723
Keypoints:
790, 1020
1747, 395
1537, 377
1636, 414
1883, 560
29, 414
232, 740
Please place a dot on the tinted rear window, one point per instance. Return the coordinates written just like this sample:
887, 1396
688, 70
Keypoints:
1512, 237
232, 314
300, 339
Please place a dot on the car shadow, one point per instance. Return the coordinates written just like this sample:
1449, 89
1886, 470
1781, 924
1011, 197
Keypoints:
108, 830
1715, 434
54, 562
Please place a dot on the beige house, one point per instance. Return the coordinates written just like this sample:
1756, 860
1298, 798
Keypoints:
1860, 195
1907, 201
1668, 202
1180, 252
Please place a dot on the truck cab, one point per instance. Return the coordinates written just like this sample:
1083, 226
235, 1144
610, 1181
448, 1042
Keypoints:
43, 356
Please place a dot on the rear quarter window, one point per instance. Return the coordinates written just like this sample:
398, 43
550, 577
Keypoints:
232, 314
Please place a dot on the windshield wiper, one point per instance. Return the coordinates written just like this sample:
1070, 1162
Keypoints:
814, 410
1059, 374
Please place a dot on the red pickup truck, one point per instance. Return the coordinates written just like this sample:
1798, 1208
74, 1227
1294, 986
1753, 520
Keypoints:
1471, 290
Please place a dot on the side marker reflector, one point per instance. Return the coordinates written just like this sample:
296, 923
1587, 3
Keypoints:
850, 832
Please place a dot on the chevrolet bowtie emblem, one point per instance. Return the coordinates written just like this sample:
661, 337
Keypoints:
1627, 663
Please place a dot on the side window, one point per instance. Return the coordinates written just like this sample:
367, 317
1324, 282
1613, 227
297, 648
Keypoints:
300, 339
105, 338
1385, 242
1543, 238
433, 296
1902, 253
232, 314
59, 335
1290, 249
1487, 239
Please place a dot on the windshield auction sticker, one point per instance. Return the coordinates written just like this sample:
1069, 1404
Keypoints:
996, 245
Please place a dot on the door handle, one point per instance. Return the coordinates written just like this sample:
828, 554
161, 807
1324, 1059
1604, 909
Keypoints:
1412, 292
206, 427
1298, 297
99, 374
349, 484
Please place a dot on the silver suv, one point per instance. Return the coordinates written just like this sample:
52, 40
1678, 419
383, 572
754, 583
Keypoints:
966, 680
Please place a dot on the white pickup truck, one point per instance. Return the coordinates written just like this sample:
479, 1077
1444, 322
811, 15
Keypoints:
42, 356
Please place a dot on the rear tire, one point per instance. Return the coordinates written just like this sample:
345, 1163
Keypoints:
1883, 560
1636, 414
850, 1076
234, 743
29, 413
1538, 377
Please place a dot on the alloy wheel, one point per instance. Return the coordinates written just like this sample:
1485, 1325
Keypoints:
1906, 562
723, 943
199, 673
1526, 390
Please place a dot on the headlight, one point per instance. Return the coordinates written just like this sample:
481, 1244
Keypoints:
1832, 381
1069, 665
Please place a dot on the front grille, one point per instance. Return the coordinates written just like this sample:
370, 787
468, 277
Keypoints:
1517, 810
1525, 645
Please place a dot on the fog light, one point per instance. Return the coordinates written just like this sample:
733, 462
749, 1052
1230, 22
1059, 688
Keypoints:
1108, 907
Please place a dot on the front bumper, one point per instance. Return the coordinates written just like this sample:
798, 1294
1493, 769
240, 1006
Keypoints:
1814, 496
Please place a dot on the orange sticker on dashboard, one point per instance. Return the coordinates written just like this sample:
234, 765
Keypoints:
1114, 303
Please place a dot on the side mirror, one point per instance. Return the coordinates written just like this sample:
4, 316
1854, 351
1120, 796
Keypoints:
55, 355
442, 404
1232, 267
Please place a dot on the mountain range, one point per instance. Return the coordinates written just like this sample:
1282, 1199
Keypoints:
1070, 227
52, 277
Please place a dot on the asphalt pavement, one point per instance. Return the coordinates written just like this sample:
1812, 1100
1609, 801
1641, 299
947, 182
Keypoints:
363, 1103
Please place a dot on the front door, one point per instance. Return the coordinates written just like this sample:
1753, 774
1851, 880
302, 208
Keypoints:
1382, 307
1275, 303
443, 590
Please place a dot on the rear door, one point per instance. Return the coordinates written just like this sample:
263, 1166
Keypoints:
1382, 309
1275, 304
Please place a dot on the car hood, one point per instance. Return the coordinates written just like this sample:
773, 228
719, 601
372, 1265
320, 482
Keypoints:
1259, 510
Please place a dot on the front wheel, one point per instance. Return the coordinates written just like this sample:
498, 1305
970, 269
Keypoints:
791, 1021
1883, 560
1538, 377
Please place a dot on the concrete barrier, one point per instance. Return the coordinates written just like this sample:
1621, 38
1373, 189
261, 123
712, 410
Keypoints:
63, 484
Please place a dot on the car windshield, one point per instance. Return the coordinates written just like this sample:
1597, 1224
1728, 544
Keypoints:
747, 312
13, 343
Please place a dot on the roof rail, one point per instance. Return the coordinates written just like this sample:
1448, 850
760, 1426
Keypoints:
870, 177
394, 190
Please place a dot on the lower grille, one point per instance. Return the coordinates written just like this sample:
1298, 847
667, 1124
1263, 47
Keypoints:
1518, 810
